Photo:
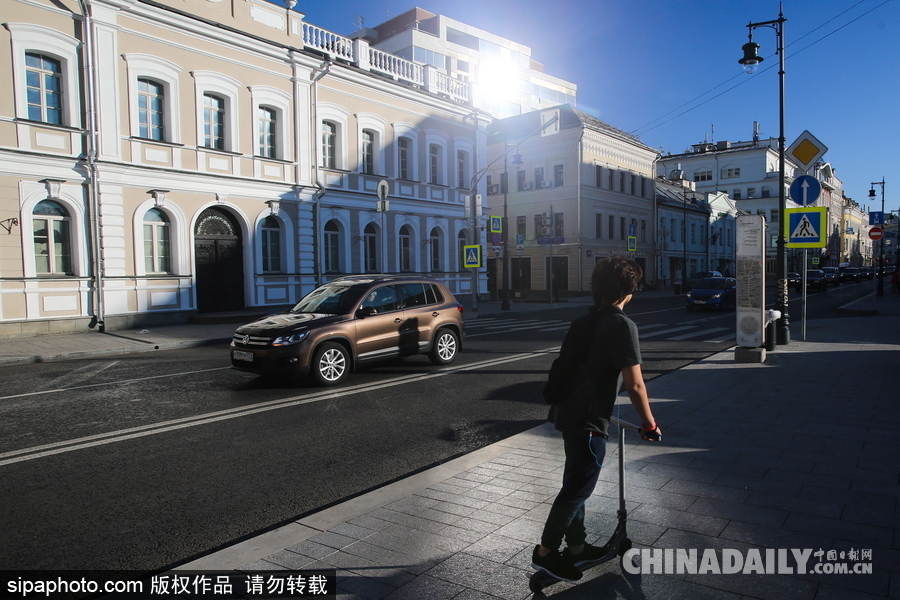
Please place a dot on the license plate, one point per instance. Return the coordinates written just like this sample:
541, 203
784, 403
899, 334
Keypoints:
240, 355
699, 301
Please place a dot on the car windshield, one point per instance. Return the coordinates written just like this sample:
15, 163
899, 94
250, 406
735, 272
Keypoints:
711, 284
334, 299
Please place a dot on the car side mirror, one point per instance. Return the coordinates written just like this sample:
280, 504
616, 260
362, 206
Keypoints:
366, 311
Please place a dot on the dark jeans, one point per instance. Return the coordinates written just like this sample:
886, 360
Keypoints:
584, 455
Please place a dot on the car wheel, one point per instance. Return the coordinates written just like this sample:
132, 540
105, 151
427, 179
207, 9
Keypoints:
445, 347
330, 364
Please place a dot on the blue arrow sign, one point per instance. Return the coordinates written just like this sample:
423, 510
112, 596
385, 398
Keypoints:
876, 217
805, 190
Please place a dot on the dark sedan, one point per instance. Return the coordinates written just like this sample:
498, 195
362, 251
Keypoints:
712, 292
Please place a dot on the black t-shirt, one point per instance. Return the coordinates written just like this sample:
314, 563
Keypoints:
610, 340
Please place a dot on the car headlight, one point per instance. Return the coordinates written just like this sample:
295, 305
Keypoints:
714, 296
290, 340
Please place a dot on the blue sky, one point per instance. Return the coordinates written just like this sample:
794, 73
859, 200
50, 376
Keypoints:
668, 70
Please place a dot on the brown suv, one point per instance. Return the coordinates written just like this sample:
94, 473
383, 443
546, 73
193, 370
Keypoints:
351, 321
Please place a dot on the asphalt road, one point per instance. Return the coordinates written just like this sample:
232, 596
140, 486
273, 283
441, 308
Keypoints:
144, 461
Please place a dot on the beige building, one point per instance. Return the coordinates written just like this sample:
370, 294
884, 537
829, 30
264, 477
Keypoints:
181, 156
856, 246
574, 189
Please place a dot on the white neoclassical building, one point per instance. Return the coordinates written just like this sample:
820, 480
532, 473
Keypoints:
172, 157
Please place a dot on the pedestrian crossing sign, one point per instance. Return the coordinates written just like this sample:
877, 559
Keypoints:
472, 257
806, 227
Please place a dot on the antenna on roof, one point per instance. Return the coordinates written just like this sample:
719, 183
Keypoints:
358, 21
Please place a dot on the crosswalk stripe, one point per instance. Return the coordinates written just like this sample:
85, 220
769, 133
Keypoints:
666, 331
698, 334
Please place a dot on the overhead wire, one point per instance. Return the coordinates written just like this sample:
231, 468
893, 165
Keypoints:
646, 128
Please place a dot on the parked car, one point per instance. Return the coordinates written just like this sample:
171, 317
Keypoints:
712, 292
353, 321
867, 273
851, 274
701, 275
815, 280
832, 275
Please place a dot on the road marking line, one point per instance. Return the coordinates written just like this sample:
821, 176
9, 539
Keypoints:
25, 454
93, 385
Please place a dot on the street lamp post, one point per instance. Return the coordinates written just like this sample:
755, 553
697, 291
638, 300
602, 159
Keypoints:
881, 254
751, 61
517, 160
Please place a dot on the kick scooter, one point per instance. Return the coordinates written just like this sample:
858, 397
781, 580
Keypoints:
619, 543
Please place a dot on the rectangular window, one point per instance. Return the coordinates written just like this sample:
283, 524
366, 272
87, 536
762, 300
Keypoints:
151, 110
520, 181
599, 173
559, 225
403, 151
611, 228
736, 195
268, 126
213, 122
329, 145
703, 176
538, 178
43, 88
368, 152
156, 247
643, 230
51, 246
434, 164
558, 175
621, 228
731, 173
598, 226
462, 167
271, 247
371, 252
520, 226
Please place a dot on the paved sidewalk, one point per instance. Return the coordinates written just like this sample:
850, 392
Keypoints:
799, 452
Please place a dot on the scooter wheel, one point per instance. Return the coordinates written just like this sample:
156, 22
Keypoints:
624, 546
536, 583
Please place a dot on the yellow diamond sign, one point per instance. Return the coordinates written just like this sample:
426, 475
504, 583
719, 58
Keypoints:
806, 150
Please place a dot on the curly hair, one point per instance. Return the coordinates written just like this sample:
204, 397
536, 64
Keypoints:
614, 278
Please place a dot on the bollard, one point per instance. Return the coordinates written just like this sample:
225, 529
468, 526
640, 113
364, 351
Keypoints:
771, 317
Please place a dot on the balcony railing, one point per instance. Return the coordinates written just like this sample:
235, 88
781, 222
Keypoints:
359, 53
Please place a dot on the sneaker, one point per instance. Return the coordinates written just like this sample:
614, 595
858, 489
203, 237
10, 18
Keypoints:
555, 565
588, 555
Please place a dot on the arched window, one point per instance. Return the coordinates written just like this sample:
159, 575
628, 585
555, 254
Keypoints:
406, 258
370, 251
270, 232
52, 239
157, 242
434, 249
332, 247
151, 110
43, 80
